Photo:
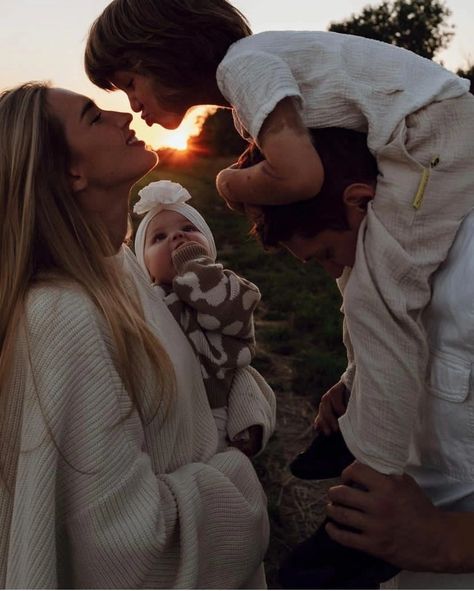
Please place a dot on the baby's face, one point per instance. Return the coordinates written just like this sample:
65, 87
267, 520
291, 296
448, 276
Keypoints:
168, 231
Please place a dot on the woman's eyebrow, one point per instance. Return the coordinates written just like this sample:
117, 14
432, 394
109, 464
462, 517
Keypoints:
88, 105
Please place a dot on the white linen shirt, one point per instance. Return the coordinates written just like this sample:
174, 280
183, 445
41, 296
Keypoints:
442, 449
338, 81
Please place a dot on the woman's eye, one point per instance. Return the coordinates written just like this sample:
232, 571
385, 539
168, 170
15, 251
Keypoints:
129, 84
97, 118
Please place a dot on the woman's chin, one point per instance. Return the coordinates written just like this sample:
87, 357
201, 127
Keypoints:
153, 160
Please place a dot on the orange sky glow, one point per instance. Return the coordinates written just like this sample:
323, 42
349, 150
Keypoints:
55, 52
177, 138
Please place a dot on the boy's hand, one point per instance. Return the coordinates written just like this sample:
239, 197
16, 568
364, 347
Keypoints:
292, 170
252, 444
333, 405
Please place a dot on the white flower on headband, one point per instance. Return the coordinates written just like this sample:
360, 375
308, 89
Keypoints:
160, 193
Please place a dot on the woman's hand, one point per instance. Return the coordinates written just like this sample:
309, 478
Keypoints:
395, 519
333, 405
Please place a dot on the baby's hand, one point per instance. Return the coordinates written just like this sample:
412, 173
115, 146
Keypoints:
189, 244
251, 444
333, 405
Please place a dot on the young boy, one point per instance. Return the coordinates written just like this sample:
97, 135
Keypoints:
170, 55
214, 306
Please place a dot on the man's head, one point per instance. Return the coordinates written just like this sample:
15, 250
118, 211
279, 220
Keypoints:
325, 227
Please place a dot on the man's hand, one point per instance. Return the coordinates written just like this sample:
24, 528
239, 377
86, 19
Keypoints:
395, 519
333, 405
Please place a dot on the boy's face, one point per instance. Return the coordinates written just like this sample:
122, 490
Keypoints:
143, 94
168, 231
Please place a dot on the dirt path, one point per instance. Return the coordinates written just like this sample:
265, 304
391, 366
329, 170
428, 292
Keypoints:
296, 507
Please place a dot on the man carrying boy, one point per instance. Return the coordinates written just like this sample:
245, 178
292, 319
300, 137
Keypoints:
328, 228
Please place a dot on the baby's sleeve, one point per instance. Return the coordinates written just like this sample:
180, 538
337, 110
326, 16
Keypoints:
215, 309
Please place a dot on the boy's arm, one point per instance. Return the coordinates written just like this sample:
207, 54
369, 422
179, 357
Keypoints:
292, 170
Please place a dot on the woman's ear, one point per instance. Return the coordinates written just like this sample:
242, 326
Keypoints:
356, 197
77, 179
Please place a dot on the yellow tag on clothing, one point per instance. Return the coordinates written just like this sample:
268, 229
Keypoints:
425, 175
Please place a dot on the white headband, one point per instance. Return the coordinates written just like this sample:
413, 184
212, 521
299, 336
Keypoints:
157, 197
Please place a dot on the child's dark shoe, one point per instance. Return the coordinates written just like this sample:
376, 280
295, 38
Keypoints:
326, 457
321, 563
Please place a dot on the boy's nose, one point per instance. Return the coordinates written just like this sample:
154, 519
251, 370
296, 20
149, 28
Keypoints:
135, 104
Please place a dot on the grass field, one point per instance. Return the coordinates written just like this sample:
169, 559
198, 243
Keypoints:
299, 352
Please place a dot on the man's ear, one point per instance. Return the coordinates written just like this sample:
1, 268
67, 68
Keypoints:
356, 197
77, 179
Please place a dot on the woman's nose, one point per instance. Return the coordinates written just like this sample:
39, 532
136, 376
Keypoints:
121, 120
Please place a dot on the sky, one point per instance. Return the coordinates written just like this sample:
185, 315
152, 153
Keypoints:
45, 39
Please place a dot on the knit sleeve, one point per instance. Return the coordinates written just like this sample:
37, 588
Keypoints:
124, 520
251, 402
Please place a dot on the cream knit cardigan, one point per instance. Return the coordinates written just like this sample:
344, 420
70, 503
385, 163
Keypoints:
102, 501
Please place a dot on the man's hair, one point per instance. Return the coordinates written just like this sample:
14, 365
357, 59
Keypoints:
179, 43
346, 160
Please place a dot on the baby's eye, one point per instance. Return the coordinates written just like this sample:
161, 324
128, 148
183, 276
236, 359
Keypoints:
159, 237
190, 228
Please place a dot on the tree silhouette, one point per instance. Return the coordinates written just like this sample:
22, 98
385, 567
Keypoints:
469, 74
418, 25
218, 136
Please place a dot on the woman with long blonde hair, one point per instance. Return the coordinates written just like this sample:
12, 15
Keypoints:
109, 471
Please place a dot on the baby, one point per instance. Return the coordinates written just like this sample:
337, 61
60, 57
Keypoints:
213, 305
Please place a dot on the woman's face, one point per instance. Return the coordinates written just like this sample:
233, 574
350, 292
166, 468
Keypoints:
106, 157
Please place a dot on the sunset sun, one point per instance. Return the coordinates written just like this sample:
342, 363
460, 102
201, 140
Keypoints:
176, 139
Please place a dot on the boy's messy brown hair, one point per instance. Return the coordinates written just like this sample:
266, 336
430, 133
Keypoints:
179, 43
346, 160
